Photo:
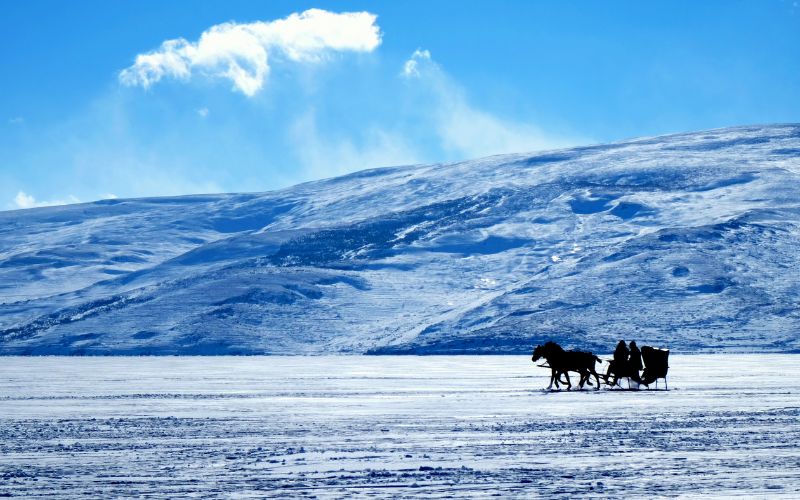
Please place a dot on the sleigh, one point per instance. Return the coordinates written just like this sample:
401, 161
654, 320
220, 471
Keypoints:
656, 365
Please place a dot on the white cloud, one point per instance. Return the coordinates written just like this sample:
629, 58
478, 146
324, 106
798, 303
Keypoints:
24, 200
466, 131
411, 67
202, 112
241, 52
16, 120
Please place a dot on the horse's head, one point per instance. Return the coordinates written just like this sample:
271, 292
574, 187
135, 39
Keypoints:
546, 351
538, 353
552, 347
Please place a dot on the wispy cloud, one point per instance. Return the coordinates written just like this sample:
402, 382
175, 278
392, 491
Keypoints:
24, 200
326, 155
438, 124
411, 66
414, 113
465, 130
241, 53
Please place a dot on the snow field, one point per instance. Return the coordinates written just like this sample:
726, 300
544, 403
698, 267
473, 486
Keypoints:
392, 426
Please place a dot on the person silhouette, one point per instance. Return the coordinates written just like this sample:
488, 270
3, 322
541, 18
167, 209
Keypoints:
635, 362
619, 364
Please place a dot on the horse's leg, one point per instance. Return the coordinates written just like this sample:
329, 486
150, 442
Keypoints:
583, 380
596, 378
555, 377
552, 377
569, 384
566, 378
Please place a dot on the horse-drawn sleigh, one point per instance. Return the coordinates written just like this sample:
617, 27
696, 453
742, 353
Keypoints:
561, 362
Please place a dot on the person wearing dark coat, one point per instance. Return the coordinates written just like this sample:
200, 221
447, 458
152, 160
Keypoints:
621, 353
635, 362
619, 364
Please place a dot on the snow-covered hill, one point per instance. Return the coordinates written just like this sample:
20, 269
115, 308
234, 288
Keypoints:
688, 240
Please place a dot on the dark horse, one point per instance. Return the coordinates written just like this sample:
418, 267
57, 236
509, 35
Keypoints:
562, 361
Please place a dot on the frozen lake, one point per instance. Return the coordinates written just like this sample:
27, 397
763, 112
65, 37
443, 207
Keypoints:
392, 427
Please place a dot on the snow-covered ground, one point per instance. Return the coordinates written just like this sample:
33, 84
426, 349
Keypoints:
392, 426
687, 240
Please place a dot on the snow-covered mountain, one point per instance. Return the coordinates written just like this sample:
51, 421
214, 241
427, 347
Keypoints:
689, 241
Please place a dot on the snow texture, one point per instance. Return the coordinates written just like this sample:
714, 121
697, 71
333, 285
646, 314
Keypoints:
392, 427
688, 241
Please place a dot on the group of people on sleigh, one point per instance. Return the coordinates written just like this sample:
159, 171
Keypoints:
627, 362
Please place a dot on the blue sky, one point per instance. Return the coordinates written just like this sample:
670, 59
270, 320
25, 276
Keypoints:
408, 82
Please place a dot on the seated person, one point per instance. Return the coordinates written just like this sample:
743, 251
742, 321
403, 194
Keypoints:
635, 363
619, 365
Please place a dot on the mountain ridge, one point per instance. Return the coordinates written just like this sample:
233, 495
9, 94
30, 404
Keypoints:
687, 240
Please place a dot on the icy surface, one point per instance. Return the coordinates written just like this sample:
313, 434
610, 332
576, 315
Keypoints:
687, 240
392, 426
